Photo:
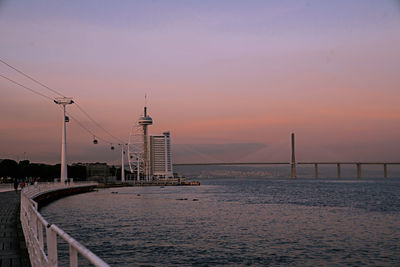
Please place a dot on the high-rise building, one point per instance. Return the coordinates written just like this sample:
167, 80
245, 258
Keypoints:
149, 156
160, 155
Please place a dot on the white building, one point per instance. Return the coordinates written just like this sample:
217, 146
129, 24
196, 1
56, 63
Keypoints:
160, 156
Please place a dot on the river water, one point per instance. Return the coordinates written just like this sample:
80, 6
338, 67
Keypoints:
239, 222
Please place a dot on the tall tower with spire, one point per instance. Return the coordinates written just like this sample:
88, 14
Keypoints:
145, 121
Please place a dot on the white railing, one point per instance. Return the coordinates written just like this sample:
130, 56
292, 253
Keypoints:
42, 247
37, 189
6, 187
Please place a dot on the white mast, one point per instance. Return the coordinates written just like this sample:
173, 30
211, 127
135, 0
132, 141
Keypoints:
64, 172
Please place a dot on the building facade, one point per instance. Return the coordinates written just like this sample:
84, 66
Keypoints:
160, 156
97, 171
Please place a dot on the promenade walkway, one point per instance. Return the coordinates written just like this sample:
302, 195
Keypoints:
13, 251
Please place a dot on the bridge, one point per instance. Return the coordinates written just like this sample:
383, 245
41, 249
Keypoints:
316, 165
293, 164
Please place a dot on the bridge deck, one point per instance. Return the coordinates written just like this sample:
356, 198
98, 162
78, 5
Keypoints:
285, 163
12, 242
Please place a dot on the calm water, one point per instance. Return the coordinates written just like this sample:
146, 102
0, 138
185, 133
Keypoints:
239, 222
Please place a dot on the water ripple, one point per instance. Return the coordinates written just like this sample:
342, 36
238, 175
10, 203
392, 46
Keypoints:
255, 222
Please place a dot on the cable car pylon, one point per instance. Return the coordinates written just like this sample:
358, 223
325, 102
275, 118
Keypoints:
64, 171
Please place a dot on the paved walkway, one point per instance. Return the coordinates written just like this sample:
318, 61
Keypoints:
13, 251
6, 187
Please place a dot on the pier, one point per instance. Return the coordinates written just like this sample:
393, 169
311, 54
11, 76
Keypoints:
129, 183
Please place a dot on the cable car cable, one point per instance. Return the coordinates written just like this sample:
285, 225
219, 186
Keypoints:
95, 122
87, 130
51, 99
29, 77
27, 88
54, 91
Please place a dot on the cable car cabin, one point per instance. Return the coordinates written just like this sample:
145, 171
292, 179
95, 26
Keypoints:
66, 119
95, 141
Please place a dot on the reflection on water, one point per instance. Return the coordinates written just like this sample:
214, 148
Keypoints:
239, 222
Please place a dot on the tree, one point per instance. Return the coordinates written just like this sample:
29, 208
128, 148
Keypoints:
8, 168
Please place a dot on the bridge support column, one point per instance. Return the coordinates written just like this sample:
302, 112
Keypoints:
293, 162
358, 170
385, 170
293, 175
339, 175
315, 170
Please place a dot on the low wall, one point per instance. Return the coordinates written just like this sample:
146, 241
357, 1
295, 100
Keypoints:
48, 197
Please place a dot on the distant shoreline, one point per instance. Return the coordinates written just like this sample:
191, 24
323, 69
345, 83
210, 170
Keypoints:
154, 183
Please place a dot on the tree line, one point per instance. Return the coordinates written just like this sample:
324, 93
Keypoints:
25, 169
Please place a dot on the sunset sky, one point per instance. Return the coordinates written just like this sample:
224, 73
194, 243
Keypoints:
216, 73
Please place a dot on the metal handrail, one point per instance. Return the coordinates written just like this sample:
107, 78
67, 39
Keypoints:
76, 247
37, 189
33, 224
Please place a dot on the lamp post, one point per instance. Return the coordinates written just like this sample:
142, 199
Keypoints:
64, 101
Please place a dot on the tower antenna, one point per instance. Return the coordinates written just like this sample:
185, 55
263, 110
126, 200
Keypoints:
145, 104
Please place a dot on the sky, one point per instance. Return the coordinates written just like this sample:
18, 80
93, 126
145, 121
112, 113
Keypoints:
231, 80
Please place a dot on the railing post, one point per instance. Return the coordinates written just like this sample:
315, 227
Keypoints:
51, 237
358, 170
34, 226
40, 233
385, 170
315, 170
339, 175
73, 256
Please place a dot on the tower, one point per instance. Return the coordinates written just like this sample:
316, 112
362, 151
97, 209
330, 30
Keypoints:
64, 101
144, 121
